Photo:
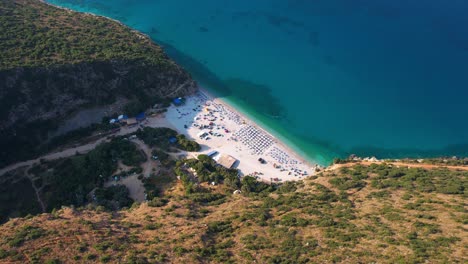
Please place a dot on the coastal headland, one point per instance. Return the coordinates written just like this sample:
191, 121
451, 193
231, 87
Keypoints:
112, 153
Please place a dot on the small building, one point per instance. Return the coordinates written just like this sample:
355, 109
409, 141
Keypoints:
131, 122
212, 153
227, 161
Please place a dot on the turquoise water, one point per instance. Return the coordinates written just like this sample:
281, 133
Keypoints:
332, 77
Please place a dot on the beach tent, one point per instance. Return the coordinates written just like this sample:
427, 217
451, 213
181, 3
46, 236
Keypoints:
122, 117
141, 116
112, 121
178, 101
212, 153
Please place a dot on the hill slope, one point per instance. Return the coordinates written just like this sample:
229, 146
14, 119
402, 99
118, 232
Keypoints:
376, 213
55, 62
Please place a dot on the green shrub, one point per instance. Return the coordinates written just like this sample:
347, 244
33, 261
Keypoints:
103, 246
254, 242
207, 198
381, 194
158, 202
188, 145
223, 227
53, 261
293, 220
90, 257
105, 258
152, 226
113, 197
3, 253
288, 187
346, 183
25, 234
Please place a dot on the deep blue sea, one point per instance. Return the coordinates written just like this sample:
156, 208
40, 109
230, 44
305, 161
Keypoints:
331, 77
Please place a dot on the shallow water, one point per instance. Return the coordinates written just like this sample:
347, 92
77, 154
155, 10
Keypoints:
331, 77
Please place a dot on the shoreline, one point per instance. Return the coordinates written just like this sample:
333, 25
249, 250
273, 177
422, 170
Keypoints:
280, 142
250, 119
137, 32
256, 124
287, 142
235, 140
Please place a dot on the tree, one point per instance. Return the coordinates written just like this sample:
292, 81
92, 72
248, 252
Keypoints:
188, 145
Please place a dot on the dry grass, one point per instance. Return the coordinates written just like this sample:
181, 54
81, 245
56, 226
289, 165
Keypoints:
367, 229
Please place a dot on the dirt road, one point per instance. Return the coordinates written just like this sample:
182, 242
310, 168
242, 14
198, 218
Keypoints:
400, 164
151, 122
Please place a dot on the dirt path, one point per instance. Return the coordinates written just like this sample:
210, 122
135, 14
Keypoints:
155, 121
150, 163
134, 185
68, 152
36, 190
400, 164
177, 89
62, 154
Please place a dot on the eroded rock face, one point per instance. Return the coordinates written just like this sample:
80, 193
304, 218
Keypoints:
43, 93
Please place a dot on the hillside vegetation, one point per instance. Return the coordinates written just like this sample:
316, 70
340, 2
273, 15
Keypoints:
359, 214
73, 180
35, 34
55, 62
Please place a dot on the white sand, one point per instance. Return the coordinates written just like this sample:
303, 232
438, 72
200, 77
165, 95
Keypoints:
244, 140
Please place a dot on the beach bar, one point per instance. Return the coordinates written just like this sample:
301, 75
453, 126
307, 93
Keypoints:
227, 161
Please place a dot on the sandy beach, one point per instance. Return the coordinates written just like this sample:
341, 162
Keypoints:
246, 141
224, 132
221, 131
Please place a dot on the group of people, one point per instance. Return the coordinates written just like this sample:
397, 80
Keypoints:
225, 112
210, 117
279, 155
287, 162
